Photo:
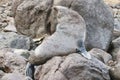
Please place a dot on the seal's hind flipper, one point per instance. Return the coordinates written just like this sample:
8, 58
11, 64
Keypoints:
82, 50
86, 55
30, 70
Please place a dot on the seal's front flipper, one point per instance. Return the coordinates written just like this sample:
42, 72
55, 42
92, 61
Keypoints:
30, 70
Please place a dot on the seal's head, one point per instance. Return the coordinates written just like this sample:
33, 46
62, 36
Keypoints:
65, 15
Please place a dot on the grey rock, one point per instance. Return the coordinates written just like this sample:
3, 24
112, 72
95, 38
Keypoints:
23, 53
13, 76
116, 43
116, 32
5, 11
13, 40
11, 62
72, 67
114, 53
116, 13
115, 50
15, 4
117, 24
20, 42
115, 71
11, 26
1, 74
101, 55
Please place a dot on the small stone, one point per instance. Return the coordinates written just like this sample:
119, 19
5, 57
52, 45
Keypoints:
1, 74
13, 76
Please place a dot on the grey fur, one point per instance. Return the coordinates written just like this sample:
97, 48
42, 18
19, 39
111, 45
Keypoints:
70, 31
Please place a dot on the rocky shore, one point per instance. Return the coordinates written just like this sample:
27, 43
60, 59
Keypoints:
24, 25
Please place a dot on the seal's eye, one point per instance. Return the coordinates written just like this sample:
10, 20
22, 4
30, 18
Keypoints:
55, 9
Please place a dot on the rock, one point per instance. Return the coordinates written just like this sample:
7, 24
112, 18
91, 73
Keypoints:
11, 26
116, 13
15, 4
117, 23
13, 40
99, 26
101, 55
31, 16
115, 72
72, 67
1, 74
116, 43
112, 2
1, 10
11, 62
13, 76
116, 32
23, 53
116, 54
5, 11
115, 49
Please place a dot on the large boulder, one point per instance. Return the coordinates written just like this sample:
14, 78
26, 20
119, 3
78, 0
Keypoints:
72, 67
98, 18
31, 15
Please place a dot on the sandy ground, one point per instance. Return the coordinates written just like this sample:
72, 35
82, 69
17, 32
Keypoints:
112, 2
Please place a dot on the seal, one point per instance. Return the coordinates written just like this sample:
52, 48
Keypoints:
69, 37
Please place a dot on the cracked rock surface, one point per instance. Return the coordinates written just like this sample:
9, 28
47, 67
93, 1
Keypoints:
73, 67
